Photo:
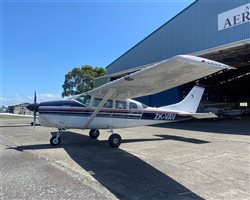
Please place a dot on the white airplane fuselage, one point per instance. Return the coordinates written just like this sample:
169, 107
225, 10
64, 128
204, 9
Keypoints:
73, 117
89, 112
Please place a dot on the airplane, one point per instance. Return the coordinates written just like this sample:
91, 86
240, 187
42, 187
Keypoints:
111, 105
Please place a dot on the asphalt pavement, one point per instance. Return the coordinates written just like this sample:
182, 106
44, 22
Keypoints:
188, 160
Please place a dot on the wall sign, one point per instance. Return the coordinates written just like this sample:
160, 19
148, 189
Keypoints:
234, 17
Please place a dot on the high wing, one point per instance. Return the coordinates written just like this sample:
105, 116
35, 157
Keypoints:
159, 76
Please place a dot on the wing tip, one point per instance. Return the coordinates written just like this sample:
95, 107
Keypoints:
205, 61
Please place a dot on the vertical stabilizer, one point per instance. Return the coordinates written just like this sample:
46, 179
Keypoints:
190, 103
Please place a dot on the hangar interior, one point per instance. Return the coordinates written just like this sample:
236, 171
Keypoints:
230, 88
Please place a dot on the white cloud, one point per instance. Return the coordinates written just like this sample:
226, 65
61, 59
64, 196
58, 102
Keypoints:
17, 99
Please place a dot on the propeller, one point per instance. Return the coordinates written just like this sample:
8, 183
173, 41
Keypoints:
35, 110
33, 107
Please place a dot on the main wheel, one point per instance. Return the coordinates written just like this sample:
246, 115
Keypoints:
115, 140
94, 133
54, 141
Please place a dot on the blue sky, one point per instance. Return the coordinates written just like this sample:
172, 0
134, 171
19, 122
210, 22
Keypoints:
43, 40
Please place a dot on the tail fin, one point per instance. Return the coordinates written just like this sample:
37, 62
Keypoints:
190, 103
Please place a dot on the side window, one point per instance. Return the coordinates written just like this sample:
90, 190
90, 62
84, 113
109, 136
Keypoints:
96, 102
133, 106
108, 104
120, 104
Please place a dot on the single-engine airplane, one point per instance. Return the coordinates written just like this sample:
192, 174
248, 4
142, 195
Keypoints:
110, 106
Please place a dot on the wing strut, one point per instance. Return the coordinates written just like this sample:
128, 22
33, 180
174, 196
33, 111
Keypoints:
109, 93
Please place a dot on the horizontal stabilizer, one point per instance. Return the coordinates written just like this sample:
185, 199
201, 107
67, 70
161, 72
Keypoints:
201, 115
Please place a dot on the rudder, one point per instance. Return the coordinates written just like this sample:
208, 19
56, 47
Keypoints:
190, 103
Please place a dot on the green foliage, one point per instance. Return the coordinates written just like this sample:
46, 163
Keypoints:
81, 79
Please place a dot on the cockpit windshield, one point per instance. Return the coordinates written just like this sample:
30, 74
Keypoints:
144, 106
83, 99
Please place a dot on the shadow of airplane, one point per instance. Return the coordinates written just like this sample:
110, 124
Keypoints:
167, 137
123, 174
183, 139
234, 127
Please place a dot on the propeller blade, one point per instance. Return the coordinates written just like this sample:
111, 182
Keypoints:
34, 119
35, 97
35, 110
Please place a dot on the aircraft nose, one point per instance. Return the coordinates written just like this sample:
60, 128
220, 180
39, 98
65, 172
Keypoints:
33, 107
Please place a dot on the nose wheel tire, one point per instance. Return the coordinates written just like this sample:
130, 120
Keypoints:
94, 133
115, 140
54, 140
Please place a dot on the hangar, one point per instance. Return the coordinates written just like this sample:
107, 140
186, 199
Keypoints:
218, 30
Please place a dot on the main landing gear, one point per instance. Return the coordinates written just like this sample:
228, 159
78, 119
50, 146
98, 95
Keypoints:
114, 139
55, 140
94, 133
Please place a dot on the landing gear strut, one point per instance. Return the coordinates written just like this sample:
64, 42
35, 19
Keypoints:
56, 140
94, 133
115, 139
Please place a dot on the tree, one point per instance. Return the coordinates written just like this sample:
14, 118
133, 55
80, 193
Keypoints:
81, 79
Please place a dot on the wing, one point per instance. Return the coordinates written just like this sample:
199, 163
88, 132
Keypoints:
159, 77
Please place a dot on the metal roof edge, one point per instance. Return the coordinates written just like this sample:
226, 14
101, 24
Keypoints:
153, 32
222, 47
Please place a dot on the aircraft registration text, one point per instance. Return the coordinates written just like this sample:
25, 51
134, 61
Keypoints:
164, 116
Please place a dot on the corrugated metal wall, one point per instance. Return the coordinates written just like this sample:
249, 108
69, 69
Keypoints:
194, 29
